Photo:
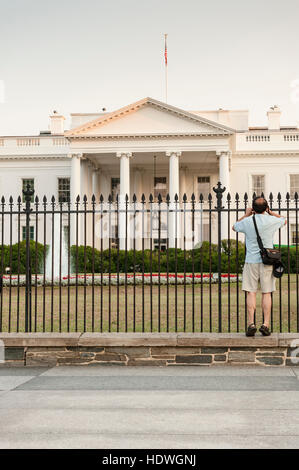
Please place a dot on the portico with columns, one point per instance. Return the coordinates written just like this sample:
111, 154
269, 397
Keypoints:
127, 151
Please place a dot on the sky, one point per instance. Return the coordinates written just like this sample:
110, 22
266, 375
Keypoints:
83, 55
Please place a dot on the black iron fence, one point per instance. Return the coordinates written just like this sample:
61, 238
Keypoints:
145, 264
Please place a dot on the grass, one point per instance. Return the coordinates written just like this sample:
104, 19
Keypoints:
68, 312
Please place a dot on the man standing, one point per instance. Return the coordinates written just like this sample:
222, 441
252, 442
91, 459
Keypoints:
268, 222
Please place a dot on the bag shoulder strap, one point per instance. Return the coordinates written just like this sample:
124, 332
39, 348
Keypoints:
259, 240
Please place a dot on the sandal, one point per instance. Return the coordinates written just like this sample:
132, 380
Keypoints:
265, 330
251, 330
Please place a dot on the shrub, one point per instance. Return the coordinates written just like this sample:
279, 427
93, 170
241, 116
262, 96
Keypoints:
177, 259
15, 257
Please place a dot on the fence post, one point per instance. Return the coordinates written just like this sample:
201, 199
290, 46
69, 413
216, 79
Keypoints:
28, 193
219, 194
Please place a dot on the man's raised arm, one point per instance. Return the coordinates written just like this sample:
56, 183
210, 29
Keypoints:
248, 213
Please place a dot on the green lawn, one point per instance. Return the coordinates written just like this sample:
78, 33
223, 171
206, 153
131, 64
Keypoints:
203, 305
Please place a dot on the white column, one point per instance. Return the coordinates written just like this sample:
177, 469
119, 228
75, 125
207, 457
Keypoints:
75, 191
138, 190
224, 177
88, 192
104, 185
124, 161
138, 183
95, 183
184, 190
224, 169
174, 188
183, 186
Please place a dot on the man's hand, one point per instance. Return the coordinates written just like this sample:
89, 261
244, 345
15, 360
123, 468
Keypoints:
248, 213
274, 214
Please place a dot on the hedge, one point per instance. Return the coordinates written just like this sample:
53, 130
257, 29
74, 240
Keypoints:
11, 253
126, 262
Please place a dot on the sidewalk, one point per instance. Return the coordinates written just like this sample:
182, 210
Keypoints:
138, 407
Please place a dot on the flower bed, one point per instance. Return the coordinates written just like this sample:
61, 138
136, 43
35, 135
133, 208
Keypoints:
130, 278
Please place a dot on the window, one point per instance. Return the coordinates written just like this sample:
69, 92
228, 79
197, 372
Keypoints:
26, 181
258, 184
163, 244
203, 186
64, 189
115, 188
294, 185
160, 186
156, 221
31, 232
294, 235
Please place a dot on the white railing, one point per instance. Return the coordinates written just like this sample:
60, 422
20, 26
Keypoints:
291, 137
257, 138
28, 142
59, 141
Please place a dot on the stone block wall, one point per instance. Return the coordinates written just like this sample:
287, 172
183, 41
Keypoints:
146, 349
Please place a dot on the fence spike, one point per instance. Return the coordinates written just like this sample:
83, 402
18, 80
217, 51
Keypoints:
45, 199
192, 197
167, 198
143, 198
93, 199
176, 197
210, 197
228, 197
53, 199
201, 197
127, 198
85, 199
78, 198
110, 198
10, 200
3, 200
101, 198
237, 197
296, 196
19, 199
159, 198
134, 198
245, 197
271, 196
185, 197
254, 195
36, 199
288, 197
151, 198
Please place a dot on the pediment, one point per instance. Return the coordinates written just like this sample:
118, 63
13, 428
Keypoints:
148, 117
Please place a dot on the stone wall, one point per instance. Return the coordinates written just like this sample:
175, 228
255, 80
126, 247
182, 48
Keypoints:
146, 349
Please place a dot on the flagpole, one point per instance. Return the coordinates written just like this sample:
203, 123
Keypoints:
166, 71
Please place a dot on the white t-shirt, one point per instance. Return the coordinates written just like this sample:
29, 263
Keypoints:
267, 226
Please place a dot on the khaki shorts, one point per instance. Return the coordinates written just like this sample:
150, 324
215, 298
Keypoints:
255, 272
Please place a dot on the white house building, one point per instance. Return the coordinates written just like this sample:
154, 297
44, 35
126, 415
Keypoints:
152, 147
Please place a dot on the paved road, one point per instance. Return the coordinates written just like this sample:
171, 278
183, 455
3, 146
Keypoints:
145, 407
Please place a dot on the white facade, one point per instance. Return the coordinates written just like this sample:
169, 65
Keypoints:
148, 144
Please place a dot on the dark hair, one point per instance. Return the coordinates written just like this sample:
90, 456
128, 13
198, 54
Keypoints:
259, 204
